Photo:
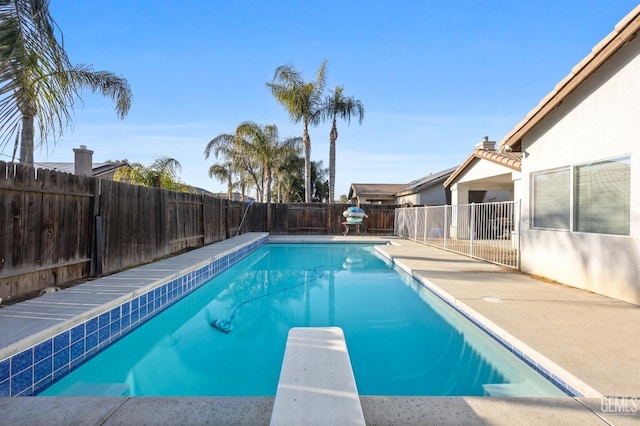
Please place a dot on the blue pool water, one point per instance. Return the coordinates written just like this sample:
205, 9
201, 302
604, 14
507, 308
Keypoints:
402, 340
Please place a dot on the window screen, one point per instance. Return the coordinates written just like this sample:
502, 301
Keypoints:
602, 197
552, 199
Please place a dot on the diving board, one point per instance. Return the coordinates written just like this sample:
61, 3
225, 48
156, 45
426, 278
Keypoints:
316, 385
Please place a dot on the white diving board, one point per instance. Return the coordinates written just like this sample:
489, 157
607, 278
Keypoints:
316, 385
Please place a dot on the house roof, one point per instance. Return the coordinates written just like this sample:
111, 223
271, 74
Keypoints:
623, 32
377, 191
98, 169
511, 160
422, 183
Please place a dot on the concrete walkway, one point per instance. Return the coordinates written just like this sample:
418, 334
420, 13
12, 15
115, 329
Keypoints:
593, 338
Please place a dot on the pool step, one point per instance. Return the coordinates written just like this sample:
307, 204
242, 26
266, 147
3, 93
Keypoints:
97, 389
316, 385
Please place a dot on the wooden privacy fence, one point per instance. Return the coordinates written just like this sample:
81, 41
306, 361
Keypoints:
45, 228
316, 218
58, 227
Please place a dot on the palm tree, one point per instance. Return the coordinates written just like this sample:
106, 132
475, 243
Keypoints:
289, 176
320, 182
223, 172
223, 146
337, 105
38, 82
263, 144
229, 148
303, 101
162, 173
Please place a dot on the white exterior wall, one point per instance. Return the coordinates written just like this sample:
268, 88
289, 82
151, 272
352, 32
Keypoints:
600, 120
484, 175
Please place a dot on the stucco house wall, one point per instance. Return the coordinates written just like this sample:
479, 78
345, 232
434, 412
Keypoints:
600, 120
433, 196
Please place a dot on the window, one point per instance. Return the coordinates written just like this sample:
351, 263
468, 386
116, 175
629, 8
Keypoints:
602, 197
591, 197
551, 199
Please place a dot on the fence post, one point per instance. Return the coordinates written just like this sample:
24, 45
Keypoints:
395, 221
97, 239
426, 223
516, 233
445, 230
471, 223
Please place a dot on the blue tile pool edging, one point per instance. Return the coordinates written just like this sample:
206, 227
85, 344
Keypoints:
557, 381
37, 367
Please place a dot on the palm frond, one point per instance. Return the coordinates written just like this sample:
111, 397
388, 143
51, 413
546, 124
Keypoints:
166, 165
37, 80
108, 84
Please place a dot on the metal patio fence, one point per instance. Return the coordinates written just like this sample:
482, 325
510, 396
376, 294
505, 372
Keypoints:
487, 231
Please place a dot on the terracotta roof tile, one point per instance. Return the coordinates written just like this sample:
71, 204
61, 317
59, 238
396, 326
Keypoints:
512, 160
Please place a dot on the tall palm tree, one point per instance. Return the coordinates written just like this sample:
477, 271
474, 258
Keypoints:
263, 144
337, 105
303, 102
37, 81
225, 146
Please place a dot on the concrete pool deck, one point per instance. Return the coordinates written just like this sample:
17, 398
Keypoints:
592, 337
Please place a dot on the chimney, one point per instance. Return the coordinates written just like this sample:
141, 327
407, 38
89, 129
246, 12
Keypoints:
83, 161
486, 144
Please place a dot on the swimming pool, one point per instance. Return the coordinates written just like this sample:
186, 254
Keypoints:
402, 340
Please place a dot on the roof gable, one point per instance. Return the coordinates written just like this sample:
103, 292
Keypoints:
511, 160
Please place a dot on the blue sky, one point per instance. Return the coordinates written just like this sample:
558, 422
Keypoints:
434, 76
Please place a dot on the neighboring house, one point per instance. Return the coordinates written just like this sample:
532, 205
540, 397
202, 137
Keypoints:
83, 165
199, 191
235, 196
579, 185
427, 191
424, 191
374, 193
99, 170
